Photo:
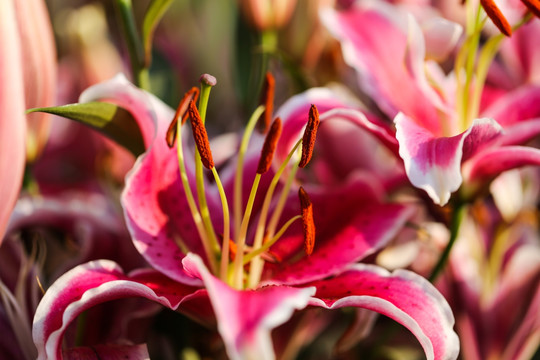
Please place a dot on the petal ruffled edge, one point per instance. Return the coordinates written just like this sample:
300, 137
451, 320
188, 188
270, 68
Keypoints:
401, 295
246, 317
88, 285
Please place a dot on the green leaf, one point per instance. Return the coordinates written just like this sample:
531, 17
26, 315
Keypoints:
111, 120
155, 12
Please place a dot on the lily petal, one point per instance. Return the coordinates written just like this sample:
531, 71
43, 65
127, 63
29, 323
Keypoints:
432, 164
246, 318
88, 285
403, 296
493, 161
12, 118
386, 47
343, 239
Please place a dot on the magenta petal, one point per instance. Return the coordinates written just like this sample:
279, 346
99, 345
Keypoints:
91, 284
246, 318
151, 114
489, 163
332, 105
516, 106
432, 164
12, 118
367, 231
403, 296
391, 70
109, 352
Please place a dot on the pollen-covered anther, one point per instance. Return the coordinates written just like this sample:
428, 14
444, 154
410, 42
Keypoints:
310, 134
268, 101
269, 147
308, 225
496, 16
181, 113
533, 6
200, 136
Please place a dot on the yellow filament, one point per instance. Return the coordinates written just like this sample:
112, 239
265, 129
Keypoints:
226, 227
237, 202
257, 263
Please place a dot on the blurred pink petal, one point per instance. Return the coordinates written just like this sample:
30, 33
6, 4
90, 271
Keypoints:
12, 108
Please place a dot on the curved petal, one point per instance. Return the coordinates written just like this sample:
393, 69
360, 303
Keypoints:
516, 106
91, 284
109, 352
246, 318
344, 237
387, 50
403, 296
491, 162
332, 105
441, 37
12, 118
151, 114
432, 164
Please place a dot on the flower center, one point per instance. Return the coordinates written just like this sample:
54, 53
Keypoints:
231, 258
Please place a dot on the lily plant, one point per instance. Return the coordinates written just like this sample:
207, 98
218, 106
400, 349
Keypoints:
246, 233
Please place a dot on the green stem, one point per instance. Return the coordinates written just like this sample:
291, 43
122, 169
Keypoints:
458, 215
134, 45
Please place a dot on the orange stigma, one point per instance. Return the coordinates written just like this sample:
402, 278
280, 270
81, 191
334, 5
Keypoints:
310, 134
181, 112
308, 225
269, 146
200, 136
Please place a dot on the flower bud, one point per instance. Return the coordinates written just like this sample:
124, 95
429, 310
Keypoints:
267, 14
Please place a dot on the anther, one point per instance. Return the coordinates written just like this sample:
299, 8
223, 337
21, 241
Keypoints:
268, 101
496, 16
533, 6
181, 112
308, 225
200, 136
269, 147
308, 140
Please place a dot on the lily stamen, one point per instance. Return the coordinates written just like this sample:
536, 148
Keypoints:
181, 113
268, 101
200, 136
308, 225
310, 134
269, 146
496, 16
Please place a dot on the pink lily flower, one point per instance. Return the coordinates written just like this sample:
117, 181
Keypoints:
351, 221
493, 287
27, 75
441, 150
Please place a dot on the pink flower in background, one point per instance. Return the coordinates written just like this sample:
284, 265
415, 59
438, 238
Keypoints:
351, 222
440, 149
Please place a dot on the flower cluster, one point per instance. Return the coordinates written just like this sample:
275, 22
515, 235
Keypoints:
345, 159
